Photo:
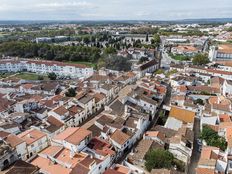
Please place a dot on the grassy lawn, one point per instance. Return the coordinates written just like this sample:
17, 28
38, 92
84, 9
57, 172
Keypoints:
179, 57
29, 76
89, 64
169, 73
159, 71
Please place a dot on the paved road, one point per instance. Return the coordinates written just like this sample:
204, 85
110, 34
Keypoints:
195, 153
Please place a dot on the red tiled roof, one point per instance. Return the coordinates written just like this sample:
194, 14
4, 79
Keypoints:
119, 137
73, 135
30, 136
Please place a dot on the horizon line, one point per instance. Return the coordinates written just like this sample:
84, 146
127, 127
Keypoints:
183, 19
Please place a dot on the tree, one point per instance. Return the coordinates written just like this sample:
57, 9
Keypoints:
40, 78
212, 138
199, 101
117, 63
158, 158
156, 39
179, 165
52, 76
162, 117
137, 44
71, 92
101, 63
200, 59
50, 52
110, 50
143, 59
86, 40
147, 38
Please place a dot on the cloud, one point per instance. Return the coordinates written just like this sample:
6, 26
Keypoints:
67, 5
113, 9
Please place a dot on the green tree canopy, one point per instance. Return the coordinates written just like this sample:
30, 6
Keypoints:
50, 52
199, 101
200, 59
117, 63
40, 78
143, 59
110, 50
52, 76
212, 138
71, 92
156, 38
158, 158
147, 38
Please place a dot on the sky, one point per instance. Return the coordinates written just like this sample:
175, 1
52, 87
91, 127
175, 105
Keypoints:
114, 9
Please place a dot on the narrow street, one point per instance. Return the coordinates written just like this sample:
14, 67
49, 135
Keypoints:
195, 153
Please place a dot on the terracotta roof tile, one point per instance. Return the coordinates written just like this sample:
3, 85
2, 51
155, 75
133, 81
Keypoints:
61, 110
120, 137
13, 140
32, 135
73, 135
112, 171
52, 120
182, 114
204, 171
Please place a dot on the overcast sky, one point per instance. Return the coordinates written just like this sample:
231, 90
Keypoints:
114, 9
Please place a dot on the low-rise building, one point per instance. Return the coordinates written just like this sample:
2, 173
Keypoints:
220, 52
45, 67
178, 117
74, 139
35, 141
8, 155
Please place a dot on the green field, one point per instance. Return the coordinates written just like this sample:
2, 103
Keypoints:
29, 76
179, 57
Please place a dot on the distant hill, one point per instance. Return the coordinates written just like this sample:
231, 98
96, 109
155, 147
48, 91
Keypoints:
184, 21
